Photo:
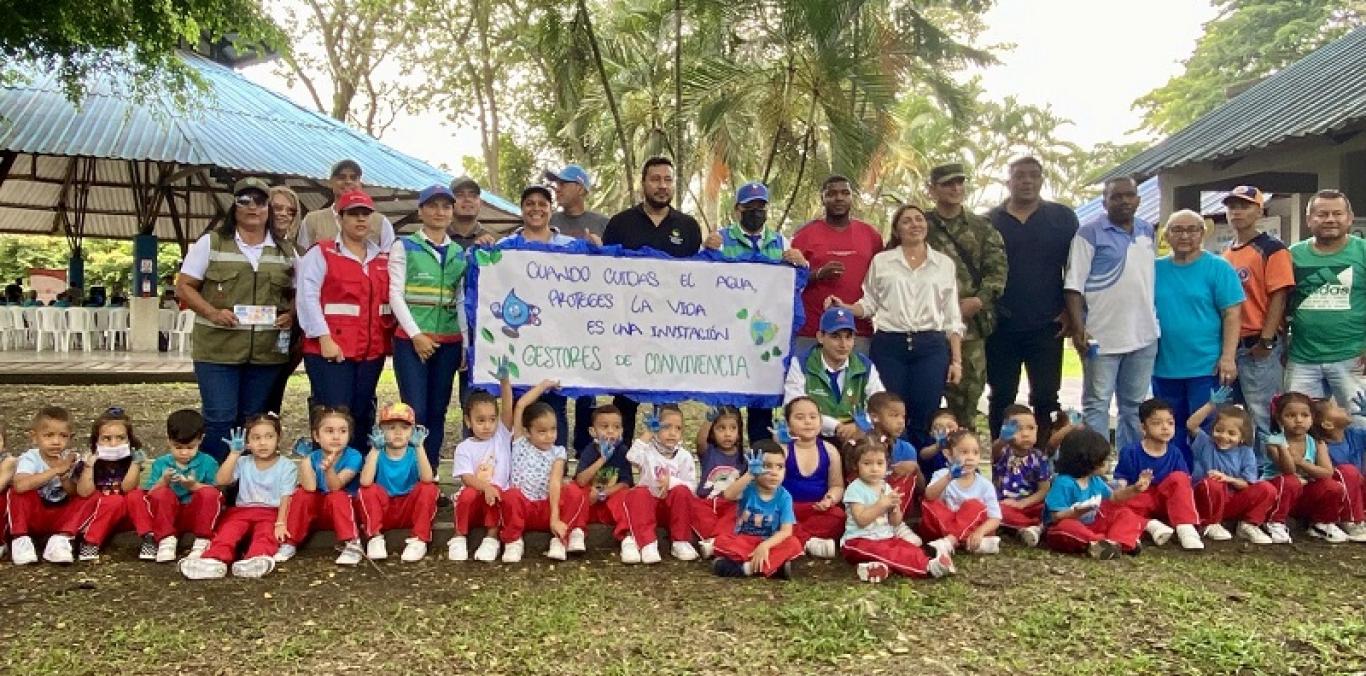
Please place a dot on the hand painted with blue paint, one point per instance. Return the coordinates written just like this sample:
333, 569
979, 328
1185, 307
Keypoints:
503, 369
1009, 429
956, 470
862, 421
755, 460
1359, 403
236, 440
302, 447
941, 437
606, 448
780, 432
652, 422
713, 412
1221, 395
420, 434
377, 438
1074, 417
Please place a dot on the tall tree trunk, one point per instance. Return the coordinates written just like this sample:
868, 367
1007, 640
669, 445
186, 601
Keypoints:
489, 97
680, 149
628, 156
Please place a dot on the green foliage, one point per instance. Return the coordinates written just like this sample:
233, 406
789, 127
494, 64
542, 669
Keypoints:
1249, 39
107, 262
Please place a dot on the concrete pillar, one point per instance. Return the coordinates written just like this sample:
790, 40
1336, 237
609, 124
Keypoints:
142, 337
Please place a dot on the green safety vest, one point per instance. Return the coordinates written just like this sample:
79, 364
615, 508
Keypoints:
431, 289
818, 385
230, 280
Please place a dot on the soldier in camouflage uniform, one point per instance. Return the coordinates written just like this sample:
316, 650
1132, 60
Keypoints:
979, 254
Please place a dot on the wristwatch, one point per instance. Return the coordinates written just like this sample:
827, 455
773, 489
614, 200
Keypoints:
1267, 343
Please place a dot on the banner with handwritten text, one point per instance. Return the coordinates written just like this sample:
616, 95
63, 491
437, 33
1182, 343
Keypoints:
610, 321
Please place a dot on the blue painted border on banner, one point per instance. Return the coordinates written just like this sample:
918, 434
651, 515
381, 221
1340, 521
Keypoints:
645, 396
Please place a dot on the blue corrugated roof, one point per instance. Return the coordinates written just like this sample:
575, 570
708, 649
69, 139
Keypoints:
1150, 204
238, 125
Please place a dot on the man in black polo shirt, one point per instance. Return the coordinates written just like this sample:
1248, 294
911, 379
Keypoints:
653, 223
1030, 317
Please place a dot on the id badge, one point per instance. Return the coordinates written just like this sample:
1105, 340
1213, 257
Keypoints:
255, 315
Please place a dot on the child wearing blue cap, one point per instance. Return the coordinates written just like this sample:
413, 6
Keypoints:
836, 377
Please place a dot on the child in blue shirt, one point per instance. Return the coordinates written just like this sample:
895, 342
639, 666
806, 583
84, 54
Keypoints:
329, 479
604, 473
960, 507
1347, 451
177, 493
1021, 474
1080, 512
932, 457
719, 440
1228, 482
761, 543
873, 520
1170, 496
397, 485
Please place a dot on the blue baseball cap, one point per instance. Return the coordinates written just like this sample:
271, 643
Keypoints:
572, 173
837, 319
750, 192
433, 191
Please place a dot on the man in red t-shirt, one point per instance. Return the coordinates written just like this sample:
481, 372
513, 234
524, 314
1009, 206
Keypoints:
840, 249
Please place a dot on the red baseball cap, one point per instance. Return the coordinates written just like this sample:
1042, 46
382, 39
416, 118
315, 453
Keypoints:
352, 199
397, 412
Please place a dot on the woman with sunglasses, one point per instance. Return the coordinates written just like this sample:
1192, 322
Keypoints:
284, 205
344, 312
239, 281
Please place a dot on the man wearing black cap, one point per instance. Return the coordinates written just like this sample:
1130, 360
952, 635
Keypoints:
324, 224
465, 227
979, 256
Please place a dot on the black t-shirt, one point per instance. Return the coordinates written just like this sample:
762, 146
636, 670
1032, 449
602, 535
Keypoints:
678, 235
1036, 257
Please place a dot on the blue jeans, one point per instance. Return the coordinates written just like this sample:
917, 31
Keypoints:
1258, 381
1185, 395
427, 387
230, 393
347, 383
913, 366
1310, 379
1125, 377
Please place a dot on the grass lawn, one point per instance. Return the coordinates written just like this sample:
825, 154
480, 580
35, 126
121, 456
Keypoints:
1071, 362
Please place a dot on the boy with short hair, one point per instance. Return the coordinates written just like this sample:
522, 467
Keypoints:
398, 485
1021, 474
605, 474
887, 413
177, 494
762, 542
42, 498
1168, 492
833, 375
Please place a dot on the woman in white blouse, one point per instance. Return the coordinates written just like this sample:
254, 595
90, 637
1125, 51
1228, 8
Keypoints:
911, 294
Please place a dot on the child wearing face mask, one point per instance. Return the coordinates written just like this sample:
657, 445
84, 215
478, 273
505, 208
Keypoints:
664, 491
109, 474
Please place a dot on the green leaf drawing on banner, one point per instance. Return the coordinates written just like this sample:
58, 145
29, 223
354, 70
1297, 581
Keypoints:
764, 356
486, 334
512, 350
481, 257
514, 371
495, 256
777, 352
743, 313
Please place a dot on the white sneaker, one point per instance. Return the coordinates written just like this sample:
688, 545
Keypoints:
458, 549
1253, 534
990, 544
872, 571
908, 534
1328, 532
556, 551
351, 554
488, 550
1217, 532
1158, 531
630, 553
577, 544
255, 567
377, 549
414, 550
1189, 537
22, 552
202, 569
941, 566
650, 553
1280, 535
58, 549
285, 553
200, 546
683, 551
707, 547
942, 547
821, 548
1356, 532
166, 549
1031, 535
512, 551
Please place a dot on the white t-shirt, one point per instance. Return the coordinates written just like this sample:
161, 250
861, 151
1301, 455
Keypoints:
860, 493
196, 262
955, 495
1116, 272
497, 450
531, 468
33, 462
264, 487
681, 468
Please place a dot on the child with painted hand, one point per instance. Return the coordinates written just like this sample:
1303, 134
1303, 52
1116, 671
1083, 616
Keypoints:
1021, 473
1167, 499
762, 540
538, 498
933, 457
875, 518
329, 481
668, 478
397, 485
178, 493
960, 507
1081, 513
483, 463
815, 478
721, 437
1228, 482
605, 476
265, 483
110, 472
42, 497
1346, 452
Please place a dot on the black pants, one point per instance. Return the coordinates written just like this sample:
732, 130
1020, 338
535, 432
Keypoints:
583, 420
1040, 352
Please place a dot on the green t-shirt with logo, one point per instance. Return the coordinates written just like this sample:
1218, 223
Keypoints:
1328, 308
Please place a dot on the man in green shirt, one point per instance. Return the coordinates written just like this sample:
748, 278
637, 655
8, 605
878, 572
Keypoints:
1328, 306
979, 256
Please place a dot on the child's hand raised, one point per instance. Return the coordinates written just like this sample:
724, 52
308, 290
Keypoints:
941, 437
420, 434
1221, 395
377, 439
1009, 429
713, 412
502, 369
780, 432
236, 440
862, 421
755, 460
956, 470
606, 447
302, 447
1359, 403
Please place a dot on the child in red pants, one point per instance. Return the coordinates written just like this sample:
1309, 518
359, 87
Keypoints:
538, 497
397, 485
177, 493
42, 497
604, 475
329, 481
814, 476
1169, 495
108, 475
1227, 479
668, 479
719, 440
874, 516
1021, 474
1080, 511
761, 540
1347, 452
960, 507
265, 483
1303, 474
887, 413
483, 463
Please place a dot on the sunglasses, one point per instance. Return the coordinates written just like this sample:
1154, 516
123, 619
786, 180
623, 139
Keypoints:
114, 411
250, 199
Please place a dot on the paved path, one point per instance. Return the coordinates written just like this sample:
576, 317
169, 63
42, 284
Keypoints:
98, 367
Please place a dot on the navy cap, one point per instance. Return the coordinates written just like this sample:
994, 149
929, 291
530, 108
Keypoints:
434, 191
531, 189
837, 319
572, 173
750, 192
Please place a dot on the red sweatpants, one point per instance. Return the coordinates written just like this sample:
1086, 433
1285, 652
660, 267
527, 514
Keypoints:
816, 524
240, 522
311, 511
610, 512
1288, 489
643, 511
739, 548
1114, 522
1350, 478
29, 515
161, 513
711, 517
906, 486
520, 514
1217, 502
899, 555
937, 520
470, 508
415, 511
1323, 501
1014, 517
1172, 501
101, 516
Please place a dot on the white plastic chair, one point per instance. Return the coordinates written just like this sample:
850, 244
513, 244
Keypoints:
166, 321
51, 322
22, 330
99, 323
120, 323
7, 331
80, 323
31, 323
184, 326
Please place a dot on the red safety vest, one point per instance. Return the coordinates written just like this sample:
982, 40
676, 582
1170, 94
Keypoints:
355, 303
